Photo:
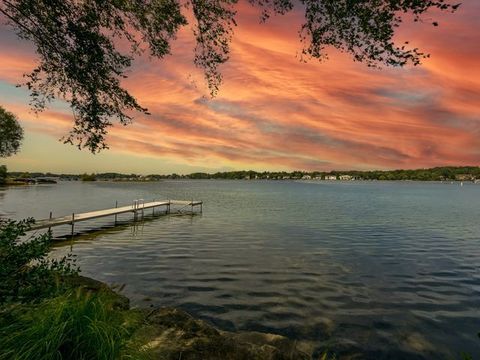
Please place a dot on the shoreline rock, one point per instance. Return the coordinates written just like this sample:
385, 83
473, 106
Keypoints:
172, 334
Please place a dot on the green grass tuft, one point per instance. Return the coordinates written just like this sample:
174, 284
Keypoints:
77, 325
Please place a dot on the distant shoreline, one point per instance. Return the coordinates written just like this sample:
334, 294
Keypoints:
446, 182
445, 174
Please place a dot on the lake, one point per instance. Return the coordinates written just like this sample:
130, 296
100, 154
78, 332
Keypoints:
389, 270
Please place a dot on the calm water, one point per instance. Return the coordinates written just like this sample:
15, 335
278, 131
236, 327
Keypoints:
390, 270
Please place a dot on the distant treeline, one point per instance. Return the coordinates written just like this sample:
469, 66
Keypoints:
449, 173
433, 174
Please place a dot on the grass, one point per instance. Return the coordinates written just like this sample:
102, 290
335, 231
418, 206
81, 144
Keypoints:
77, 325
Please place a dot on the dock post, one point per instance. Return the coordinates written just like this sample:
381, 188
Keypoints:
168, 207
50, 218
192, 205
135, 206
143, 207
201, 207
73, 223
153, 208
116, 205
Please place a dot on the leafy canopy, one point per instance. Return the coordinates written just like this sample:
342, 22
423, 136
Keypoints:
81, 61
3, 174
11, 133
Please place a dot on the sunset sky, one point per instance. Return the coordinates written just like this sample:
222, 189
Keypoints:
274, 112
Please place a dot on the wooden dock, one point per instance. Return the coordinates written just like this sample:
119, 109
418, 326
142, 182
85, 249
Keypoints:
137, 208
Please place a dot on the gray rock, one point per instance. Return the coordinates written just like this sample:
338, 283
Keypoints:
173, 334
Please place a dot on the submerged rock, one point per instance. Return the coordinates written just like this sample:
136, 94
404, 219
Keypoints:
173, 334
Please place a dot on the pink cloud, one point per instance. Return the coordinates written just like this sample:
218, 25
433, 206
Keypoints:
274, 111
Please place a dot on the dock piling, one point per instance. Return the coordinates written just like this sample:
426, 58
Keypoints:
73, 224
50, 218
135, 206
116, 205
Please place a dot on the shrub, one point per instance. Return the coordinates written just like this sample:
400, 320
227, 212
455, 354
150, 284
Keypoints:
26, 274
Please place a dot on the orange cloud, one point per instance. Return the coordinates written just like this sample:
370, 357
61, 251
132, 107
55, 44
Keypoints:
275, 112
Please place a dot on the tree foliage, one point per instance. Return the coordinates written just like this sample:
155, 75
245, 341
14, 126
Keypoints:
88, 177
82, 56
11, 133
3, 174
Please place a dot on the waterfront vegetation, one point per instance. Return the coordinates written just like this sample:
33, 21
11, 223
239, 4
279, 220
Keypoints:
432, 174
26, 273
446, 173
3, 174
88, 177
74, 325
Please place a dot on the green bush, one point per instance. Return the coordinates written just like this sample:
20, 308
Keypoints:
26, 273
89, 177
75, 325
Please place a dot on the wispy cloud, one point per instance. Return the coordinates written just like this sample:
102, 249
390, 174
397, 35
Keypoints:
276, 112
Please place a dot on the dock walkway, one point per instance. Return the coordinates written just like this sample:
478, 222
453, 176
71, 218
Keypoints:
136, 208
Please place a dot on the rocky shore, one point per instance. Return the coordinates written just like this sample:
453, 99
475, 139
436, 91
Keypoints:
173, 334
